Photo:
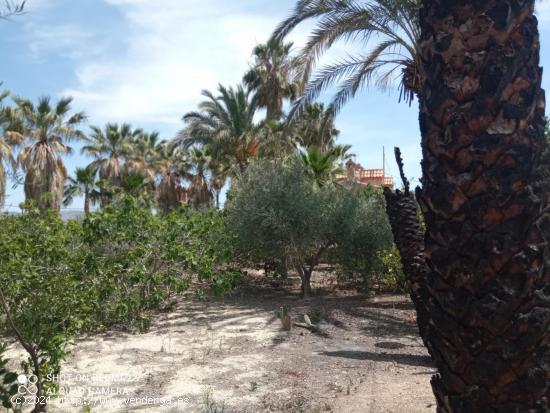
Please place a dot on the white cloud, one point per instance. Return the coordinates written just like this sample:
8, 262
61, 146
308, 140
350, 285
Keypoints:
153, 64
67, 40
175, 48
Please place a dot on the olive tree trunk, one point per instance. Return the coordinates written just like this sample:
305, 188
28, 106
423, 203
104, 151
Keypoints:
305, 277
484, 285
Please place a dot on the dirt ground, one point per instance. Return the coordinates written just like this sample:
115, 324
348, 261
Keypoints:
232, 355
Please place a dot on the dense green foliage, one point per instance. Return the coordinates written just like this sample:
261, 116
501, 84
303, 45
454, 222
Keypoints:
59, 279
364, 243
8, 385
43, 295
279, 212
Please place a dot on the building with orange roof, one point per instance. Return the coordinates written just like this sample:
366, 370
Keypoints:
356, 174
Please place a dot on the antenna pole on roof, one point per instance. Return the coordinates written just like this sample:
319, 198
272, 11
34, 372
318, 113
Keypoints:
383, 162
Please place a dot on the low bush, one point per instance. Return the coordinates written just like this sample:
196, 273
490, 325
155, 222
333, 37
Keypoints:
387, 272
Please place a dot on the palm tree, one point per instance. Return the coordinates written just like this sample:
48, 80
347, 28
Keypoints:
173, 166
84, 183
272, 76
44, 129
110, 147
225, 125
275, 140
323, 166
219, 173
6, 154
138, 186
482, 279
392, 24
315, 127
199, 191
143, 156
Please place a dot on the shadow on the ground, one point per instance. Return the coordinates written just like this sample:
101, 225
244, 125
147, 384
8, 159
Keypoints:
390, 345
334, 307
344, 316
400, 358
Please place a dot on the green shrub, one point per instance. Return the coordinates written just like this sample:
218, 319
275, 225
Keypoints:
58, 280
44, 303
200, 243
126, 265
364, 238
388, 273
137, 260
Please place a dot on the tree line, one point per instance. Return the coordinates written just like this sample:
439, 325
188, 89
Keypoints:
218, 142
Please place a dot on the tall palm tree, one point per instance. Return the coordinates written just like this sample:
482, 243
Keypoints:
481, 280
173, 166
84, 184
272, 76
219, 174
43, 130
199, 191
110, 147
6, 154
224, 124
391, 24
315, 127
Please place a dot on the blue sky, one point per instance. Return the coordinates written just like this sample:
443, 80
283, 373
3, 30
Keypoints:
145, 62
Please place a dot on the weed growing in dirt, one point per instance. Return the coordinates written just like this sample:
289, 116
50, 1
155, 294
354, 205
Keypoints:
209, 404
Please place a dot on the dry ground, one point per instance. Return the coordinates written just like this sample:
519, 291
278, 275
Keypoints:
231, 355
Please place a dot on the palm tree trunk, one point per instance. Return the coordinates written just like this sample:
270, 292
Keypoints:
86, 201
274, 109
485, 200
408, 235
2, 185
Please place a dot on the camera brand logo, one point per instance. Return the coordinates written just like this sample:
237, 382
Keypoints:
27, 384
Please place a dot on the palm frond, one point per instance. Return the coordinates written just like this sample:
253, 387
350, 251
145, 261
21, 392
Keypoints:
12, 8
393, 24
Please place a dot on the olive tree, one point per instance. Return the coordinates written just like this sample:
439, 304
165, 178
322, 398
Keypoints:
277, 210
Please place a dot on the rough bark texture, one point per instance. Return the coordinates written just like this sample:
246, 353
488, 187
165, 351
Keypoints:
408, 235
485, 202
